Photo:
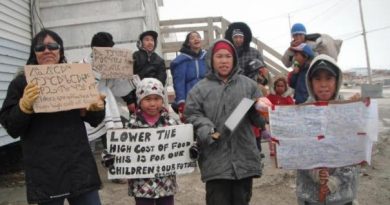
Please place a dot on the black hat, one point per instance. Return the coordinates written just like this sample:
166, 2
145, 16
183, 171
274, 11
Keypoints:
149, 33
323, 65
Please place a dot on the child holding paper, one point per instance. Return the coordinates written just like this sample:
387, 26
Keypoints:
151, 114
331, 186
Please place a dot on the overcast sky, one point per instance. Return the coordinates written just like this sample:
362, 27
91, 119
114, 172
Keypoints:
269, 22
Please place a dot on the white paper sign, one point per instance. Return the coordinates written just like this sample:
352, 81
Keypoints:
152, 152
332, 135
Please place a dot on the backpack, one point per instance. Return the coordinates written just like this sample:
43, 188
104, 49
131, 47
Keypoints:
325, 44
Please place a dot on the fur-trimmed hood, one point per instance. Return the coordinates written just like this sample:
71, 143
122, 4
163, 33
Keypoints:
245, 30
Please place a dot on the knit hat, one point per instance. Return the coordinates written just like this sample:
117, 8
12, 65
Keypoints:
102, 39
149, 86
237, 32
223, 45
298, 28
305, 49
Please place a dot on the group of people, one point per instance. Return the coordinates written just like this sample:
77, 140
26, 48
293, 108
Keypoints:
209, 85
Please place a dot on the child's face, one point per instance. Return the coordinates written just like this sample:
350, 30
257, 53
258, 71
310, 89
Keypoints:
324, 85
298, 39
298, 56
152, 104
280, 87
148, 43
223, 63
238, 40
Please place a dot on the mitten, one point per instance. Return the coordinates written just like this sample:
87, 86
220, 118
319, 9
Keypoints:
97, 106
107, 159
30, 95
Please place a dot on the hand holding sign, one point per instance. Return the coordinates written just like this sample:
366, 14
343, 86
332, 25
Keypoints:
99, 105
30, 95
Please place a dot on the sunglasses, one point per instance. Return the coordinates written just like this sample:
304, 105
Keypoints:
50, 46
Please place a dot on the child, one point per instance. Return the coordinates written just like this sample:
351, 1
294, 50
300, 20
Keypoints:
151, 113
147, 64
278, 97
338, 185
303, 55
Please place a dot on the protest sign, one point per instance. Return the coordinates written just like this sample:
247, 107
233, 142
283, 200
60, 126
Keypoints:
62, 86
113, 62
332, 135
151, 152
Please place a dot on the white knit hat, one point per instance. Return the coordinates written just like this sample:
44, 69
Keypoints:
149, 86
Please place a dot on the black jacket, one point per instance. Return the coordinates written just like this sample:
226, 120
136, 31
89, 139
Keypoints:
147, 66
57, 158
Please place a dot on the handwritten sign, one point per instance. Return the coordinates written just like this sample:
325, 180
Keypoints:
333, 135
152, 152
62, 86
113, 62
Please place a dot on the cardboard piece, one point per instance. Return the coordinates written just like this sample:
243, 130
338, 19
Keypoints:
62, 86
113, 63
235, 118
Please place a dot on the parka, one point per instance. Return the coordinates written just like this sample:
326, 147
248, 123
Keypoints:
58, 161
210, 102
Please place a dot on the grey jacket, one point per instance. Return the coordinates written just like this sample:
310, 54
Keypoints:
344, 178
208, 105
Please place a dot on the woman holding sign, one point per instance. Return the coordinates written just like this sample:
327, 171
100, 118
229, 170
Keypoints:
57, 159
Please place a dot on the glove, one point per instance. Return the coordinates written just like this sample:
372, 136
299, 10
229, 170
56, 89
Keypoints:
131, 107
180, 109
97, 106
107, 159
30, 95
265, 134
262, 104
194, 151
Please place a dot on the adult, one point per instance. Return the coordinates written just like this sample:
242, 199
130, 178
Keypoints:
147, 64
188, 68
228, 160
58, 161
240, 35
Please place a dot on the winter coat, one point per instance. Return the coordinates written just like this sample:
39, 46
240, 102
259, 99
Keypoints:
57, 158
186, 71
147, 65
152, 187
283, 99
210, 102
297, 81
345, 178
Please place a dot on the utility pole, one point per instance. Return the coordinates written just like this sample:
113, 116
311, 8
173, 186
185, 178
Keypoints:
365, 43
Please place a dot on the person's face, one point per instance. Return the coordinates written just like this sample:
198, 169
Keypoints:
151, 104
298, 56
47, 52
148, 43
238, 40
223, 63
298, 39
323, 85
280, 87
195, 41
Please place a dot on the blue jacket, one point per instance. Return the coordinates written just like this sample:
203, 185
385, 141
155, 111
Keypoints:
298, 82
186, 71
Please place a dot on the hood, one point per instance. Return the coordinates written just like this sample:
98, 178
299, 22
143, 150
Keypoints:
154, 34
211, 72
339, 75
272, 86
244, 28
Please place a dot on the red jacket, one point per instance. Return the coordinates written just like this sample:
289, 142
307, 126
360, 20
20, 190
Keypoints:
280, 100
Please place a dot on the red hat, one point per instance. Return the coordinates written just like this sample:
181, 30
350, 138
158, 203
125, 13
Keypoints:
223, 45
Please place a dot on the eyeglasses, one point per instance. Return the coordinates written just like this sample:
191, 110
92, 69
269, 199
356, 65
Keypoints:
50, 46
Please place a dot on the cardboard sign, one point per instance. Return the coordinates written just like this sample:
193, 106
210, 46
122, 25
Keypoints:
238, 113
151, 152
113, 62
328, 135
62, 86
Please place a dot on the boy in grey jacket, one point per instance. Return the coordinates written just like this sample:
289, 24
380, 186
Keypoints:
228, 160
330, 186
